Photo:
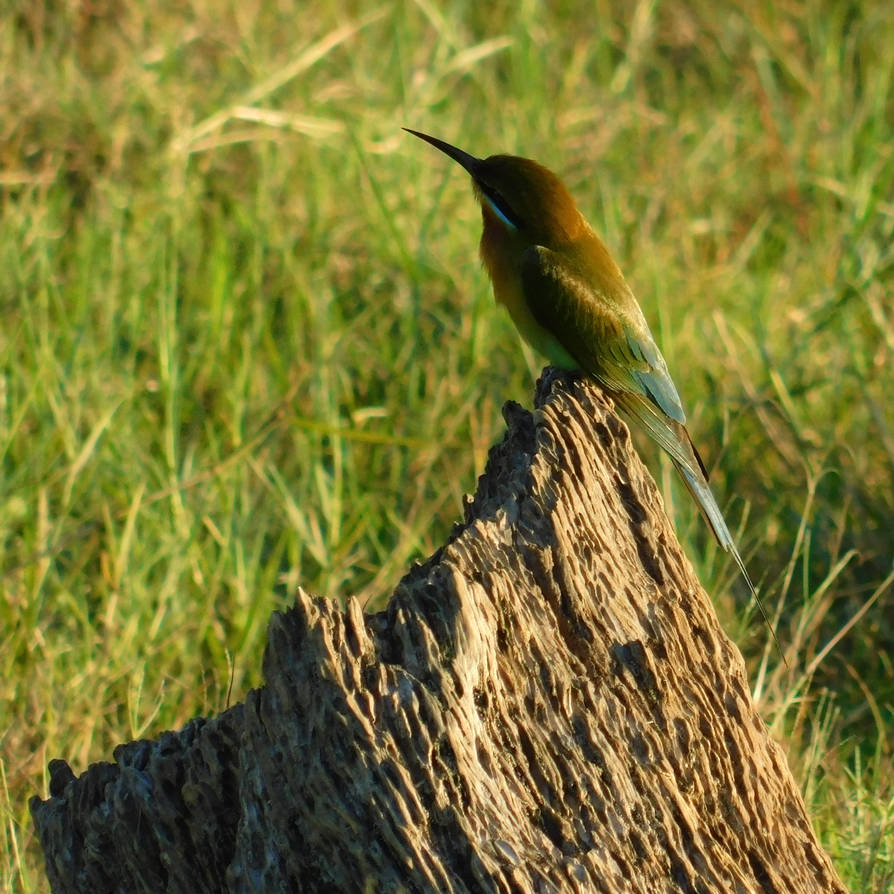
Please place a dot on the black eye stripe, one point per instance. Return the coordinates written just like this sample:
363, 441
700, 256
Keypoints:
502, 205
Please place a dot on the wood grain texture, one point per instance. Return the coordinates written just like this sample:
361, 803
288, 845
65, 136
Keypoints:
547, 704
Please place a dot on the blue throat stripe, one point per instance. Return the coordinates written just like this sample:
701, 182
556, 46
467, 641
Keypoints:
498, 212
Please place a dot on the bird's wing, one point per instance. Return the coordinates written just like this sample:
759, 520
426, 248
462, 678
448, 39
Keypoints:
672, 437
610, 342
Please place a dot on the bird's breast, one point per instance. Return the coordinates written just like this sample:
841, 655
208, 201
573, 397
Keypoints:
502, 253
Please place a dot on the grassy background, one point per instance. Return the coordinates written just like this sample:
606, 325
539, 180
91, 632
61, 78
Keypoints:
247, 343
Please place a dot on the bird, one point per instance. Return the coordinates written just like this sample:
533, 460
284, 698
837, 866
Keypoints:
571, 303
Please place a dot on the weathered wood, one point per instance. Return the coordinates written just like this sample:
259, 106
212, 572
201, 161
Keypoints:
547, 704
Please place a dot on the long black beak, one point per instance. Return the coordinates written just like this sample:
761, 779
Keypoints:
469, 162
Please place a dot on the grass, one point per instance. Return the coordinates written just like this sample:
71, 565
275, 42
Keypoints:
247, 342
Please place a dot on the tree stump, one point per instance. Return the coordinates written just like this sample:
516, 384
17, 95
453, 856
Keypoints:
547, 704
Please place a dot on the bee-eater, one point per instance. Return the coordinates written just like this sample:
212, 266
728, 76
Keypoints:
569, 301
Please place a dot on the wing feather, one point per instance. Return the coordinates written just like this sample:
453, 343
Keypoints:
609, 339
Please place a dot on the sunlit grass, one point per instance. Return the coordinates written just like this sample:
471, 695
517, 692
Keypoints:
247, 342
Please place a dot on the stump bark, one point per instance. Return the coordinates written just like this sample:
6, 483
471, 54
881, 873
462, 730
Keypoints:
547, 704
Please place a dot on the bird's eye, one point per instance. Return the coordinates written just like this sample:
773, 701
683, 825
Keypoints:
501, 207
